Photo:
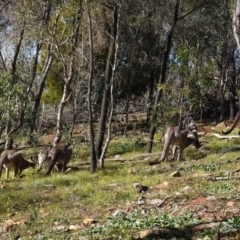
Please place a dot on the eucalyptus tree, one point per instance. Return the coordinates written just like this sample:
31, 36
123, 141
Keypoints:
16, 57
60, 38
225, 58
31, 61
39, 19
162, 77
110, 62
236, 22
236, 34
140, 54
181, 11
202, 58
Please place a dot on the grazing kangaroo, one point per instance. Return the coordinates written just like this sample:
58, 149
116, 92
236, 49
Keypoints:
13, 159
176, 137
235, 121
184, 144
58, 156
44, 158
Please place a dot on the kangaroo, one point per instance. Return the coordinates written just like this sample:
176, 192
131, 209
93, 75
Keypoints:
184, 144
13, 159
235, 121
57, 157
44, 158
176, 137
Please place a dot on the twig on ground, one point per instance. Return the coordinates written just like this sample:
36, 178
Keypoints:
219, 178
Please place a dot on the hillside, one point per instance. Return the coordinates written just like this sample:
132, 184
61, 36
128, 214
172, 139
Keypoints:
193, 199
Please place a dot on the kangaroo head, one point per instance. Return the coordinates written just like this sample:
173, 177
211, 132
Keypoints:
32, 163
194, 136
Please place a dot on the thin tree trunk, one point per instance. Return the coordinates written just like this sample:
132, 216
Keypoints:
93, 161
126, 115
68, 76
48, 62
106, 93
65, 97
8, 130
117, 16
38, 96
233, 107
236, 27
150, 99
236, 23
74, 115
162, 78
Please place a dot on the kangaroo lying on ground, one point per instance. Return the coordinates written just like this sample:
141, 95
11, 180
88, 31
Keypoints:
58, 156
13, 159
176, 137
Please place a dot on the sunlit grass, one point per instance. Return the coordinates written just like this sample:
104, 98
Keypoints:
45, 201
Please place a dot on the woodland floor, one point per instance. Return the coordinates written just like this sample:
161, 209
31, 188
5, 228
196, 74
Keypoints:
206, 188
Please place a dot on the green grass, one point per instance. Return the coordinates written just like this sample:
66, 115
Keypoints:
60, 200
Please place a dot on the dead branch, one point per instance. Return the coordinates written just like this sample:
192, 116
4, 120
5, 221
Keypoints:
219, 178
237, 170
223, 137
140, 157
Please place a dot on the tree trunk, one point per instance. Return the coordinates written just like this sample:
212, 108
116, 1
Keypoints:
68, 66
150, 99
126, 115
65, 98
39, 93
106, 93
236, 26
232, 88
48, 62
115, 38
162, 78
93, 157
236, 23
9, 130
223, 63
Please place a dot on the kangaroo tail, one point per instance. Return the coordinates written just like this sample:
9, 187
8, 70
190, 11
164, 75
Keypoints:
235, 121
165, 149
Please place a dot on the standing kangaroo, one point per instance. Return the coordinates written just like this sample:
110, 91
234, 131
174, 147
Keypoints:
13, 159
58, 156
184, 144
176, 137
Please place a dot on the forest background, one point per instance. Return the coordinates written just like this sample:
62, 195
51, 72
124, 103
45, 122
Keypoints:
96, 62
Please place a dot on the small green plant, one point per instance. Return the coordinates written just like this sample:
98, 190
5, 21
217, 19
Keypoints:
202, 167
120, 147
139, 143
34, 212
219, 187
126, 146
234, 222
135, 220
8, 209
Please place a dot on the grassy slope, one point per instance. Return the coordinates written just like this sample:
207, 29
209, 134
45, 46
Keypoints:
40, 207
